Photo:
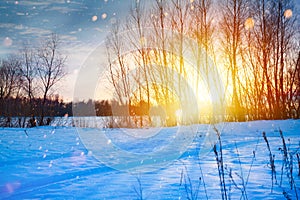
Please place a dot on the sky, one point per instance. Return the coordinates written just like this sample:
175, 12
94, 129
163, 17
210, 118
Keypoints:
80, 24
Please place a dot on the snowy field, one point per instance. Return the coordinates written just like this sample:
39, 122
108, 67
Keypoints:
64, 163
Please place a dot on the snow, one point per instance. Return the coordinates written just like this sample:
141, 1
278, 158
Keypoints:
63, 163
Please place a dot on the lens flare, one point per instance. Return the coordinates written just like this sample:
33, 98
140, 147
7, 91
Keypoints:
169, 99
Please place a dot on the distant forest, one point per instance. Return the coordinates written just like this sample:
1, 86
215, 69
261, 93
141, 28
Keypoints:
21, 108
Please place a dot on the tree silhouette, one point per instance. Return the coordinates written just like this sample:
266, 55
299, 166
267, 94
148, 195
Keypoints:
51, 67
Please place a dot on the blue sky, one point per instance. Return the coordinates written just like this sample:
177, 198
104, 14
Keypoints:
81, 25
25, 20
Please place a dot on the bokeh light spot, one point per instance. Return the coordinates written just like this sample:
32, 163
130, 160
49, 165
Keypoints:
104, 16
249, 23
94, 18
288, 13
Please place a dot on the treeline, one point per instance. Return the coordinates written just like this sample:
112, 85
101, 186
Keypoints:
22, 107
108, 108
254, 44
29, 114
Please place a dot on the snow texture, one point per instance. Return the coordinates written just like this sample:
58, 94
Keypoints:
53, 163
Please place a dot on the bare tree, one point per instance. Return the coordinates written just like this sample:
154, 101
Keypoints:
28, 71
119, 74
160, 60
202, 30
51, 67
231, 27
179, 12
293, 94
284, 35
270, 51
136, 24
10, 76
10, 81
256, 42
254, 93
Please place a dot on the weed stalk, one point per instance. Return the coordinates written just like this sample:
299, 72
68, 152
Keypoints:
272, 160
220, 163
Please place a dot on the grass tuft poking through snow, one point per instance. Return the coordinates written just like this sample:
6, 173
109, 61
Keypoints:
271, 161
220, 163
286, 166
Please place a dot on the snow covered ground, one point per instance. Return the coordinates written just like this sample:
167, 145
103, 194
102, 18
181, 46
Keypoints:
67, 163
